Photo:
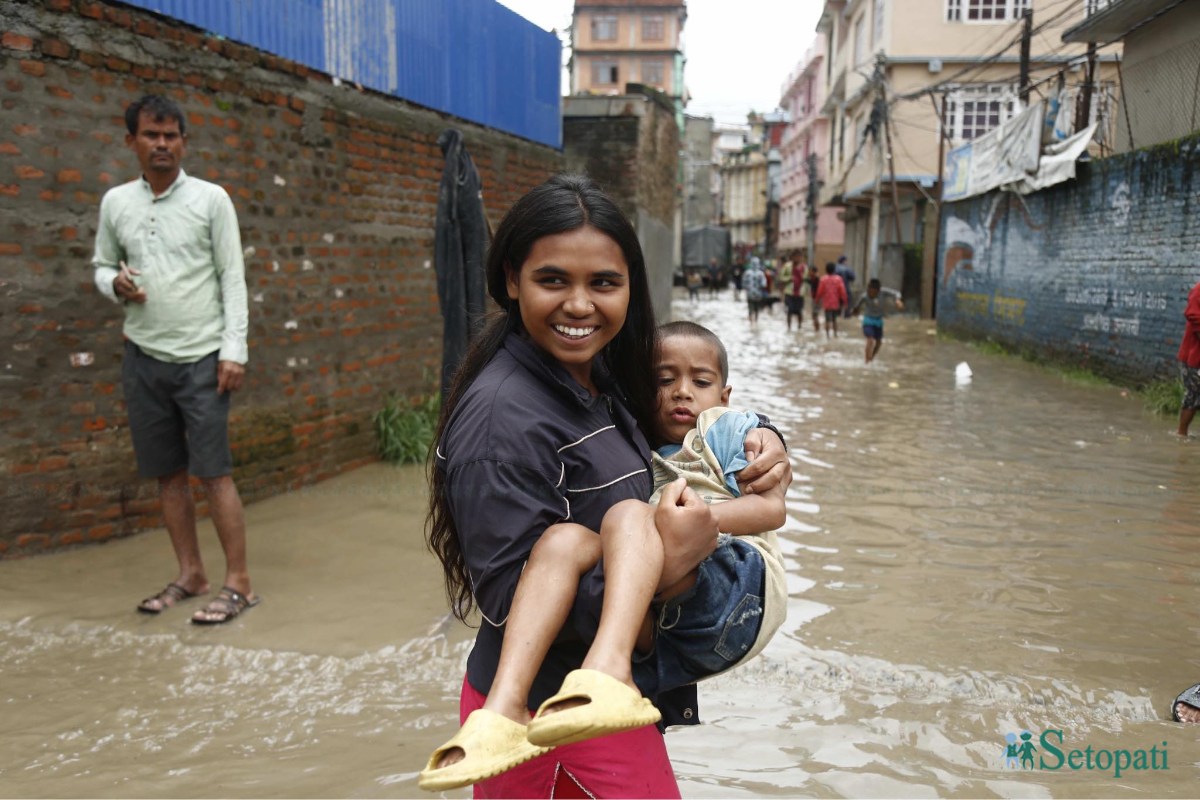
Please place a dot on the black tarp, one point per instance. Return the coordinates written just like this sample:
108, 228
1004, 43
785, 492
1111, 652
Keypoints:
460, 245
702, 244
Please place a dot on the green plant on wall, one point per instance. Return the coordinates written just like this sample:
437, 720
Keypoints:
405, 428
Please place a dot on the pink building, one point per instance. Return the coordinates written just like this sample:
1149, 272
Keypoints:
805, 140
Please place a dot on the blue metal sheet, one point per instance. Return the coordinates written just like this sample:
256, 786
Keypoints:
474, 59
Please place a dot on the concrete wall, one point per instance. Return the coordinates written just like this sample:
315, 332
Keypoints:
630, 145
1094, 272
336, 194
699, 174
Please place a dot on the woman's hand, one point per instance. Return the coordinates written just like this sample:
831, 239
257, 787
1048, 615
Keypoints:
769, 466
687, 528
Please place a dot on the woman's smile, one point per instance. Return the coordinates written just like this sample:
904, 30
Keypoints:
574, 332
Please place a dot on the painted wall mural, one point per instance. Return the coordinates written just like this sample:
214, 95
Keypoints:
1097, 269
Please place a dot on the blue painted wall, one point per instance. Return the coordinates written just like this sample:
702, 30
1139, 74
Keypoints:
474, 59
1094, 271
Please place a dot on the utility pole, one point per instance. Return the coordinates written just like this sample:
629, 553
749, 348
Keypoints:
1026, 40
933, 238
874, 130
812, 197
891, 161
1083, 116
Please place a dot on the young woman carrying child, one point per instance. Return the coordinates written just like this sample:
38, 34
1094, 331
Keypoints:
544, 425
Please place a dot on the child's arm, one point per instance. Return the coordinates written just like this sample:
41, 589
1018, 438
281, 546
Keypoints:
725, 433
751, 513
897, 299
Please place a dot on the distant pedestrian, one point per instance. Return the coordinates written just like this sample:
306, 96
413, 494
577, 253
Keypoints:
714, 277
831, 292
783, 277
168, 249
769, 299
814, 280
846, 273
1189, 361
795, 289
694, 282
873, 304
736, 275
754, 281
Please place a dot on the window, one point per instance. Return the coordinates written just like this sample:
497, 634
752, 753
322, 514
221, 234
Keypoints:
604, 72
1095, 6
879, 12
652, 73
860, 42
987, 10
973, 111
652, 29
604, 29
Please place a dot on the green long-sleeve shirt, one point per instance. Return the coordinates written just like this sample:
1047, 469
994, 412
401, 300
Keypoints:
186, 245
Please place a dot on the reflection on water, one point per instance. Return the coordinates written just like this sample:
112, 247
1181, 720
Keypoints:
967, 560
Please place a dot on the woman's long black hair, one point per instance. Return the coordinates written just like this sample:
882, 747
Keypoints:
562, 204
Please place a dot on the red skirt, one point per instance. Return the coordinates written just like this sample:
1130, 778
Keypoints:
624, 765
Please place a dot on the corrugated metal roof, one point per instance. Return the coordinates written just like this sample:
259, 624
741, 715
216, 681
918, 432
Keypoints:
474, 59
1118, 19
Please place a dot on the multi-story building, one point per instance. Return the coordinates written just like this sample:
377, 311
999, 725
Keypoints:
750, 183
615, 42
744, 197
911, 64
805, 224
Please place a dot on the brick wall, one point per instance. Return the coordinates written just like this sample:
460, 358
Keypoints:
1093, 272
336, 193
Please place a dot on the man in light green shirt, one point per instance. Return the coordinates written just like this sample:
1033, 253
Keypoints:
168, 249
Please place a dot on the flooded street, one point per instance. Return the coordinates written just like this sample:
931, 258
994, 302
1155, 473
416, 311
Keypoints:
966, 561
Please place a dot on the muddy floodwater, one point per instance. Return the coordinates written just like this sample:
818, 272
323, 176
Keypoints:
967, 561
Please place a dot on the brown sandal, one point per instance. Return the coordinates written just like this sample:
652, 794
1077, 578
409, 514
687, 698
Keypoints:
228, 603
169, 596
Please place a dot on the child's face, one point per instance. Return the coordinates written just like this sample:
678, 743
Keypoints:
689, 382
873, 291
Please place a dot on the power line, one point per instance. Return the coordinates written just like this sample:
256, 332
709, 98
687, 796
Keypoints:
1069, 6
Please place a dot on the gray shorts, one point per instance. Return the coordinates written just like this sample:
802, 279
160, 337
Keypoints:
1191, 385
176, 417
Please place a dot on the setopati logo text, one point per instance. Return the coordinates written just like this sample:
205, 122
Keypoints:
1020, 752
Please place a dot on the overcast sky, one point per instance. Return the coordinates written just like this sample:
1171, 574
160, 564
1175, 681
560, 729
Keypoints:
739, 52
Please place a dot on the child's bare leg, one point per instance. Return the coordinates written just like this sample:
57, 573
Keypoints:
875, 351
645, 549
633, 562
543, 600
540, 607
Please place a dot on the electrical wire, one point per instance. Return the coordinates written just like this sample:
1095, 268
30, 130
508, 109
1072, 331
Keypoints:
1069, 6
